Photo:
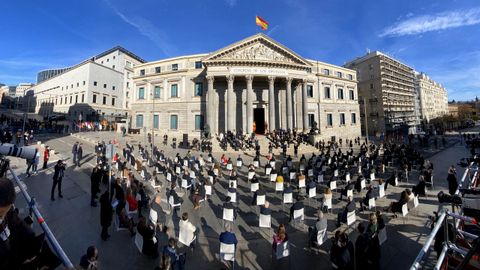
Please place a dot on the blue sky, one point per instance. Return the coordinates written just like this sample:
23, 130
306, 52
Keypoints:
441, 38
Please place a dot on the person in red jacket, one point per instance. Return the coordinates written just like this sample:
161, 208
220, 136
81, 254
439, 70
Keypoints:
46, 156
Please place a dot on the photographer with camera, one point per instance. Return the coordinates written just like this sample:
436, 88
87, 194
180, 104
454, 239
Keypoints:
57, 178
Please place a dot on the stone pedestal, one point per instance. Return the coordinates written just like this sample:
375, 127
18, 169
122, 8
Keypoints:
314, 137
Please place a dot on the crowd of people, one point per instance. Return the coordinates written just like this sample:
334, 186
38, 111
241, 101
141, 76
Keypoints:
139, 173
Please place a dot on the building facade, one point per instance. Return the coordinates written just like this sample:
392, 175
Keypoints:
254, 85
386, 92
433, 97
95, 89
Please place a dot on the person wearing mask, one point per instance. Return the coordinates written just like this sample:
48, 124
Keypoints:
342, 253
177, 261
106, 211
16, 237
227, 237
57, 179
89, 260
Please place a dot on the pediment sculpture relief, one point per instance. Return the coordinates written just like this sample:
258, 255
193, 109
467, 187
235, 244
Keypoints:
258, 52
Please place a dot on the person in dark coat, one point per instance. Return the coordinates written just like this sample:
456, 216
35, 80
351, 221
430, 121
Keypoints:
57, 179
106, 211
452, 180
150, 246
19, 247
79, 155
95, 179
361, 248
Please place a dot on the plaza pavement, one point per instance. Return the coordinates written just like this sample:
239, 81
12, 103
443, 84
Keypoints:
76, 224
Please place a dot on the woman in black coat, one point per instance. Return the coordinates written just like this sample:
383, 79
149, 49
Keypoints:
106, 211
452, 180
150, 245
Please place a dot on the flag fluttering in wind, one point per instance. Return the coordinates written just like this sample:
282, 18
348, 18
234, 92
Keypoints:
261, 22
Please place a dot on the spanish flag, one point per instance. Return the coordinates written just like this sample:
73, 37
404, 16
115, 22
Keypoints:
261, 22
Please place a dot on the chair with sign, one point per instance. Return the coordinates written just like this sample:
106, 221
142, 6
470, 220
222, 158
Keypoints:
265, 221
139, 242
227, 253
382, 235
254, 186
351, 218
371, 204
273, 177
283, 250
321, 238
413, 203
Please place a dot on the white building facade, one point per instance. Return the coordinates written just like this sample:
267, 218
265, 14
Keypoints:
254, 85
433, 97
95, 89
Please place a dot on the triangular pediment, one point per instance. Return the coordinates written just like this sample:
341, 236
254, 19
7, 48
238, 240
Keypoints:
257, 48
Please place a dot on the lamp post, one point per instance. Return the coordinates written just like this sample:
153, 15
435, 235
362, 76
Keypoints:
366, 117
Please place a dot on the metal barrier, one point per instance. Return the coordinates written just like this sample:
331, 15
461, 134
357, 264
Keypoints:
50, 237
442, 220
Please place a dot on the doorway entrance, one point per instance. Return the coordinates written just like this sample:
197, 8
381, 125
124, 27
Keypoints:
259, 120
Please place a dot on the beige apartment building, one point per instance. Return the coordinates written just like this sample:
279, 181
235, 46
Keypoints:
433, 97
386, 92
254, 85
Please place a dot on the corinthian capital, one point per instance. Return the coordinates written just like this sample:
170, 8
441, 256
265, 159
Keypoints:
230, 78
210, 78
249, 78
271, 79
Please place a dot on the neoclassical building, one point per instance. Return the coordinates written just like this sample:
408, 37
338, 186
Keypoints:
254, 85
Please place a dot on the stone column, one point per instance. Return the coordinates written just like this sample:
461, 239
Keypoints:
289, 104
271, 103
230, 104
211, 104
305, 106
249, 79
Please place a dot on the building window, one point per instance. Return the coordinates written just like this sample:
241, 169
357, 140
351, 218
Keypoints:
326, 72
354, 118
174, 67
128, 84
78, 84
156, 92
114, 57
104, 85
94, 83
329, 119
72, 86
113, 101
139, 121
67, 87
173, 122
156, 121
198, 89
113, 87
83, 82
113, 66
71, 99
350, 77
327, 92
310, 91
56, 101
371, 86
76, 99
174, 90
198, 64
94, 98
104, 101
142, 72
83, 98
351, 94
108, 60
141, 93
61, 101
311, 119
199, 122
370, 66
342, 119
157, 69
340, 93
339, 74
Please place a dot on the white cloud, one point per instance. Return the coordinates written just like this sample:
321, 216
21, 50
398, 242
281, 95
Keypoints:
147, 29
427, 23
231, 3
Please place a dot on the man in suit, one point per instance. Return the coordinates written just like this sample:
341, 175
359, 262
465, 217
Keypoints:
227, 237
57, 178
296, 206
79, 154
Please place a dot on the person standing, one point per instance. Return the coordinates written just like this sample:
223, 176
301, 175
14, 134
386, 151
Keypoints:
74, 153
46, 156
36, 161
57, 179
30, 163
452, 180
79, 154
95, 179
106, 211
